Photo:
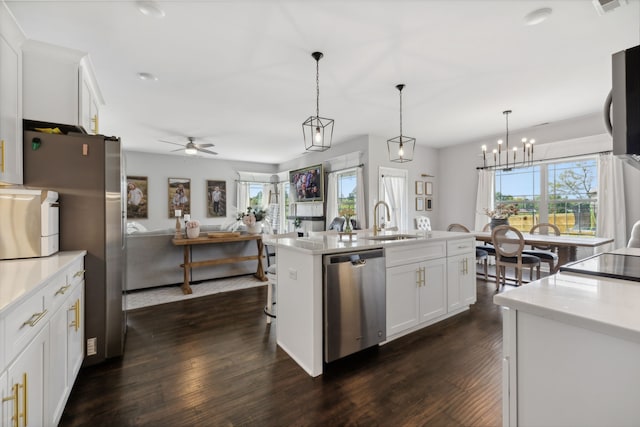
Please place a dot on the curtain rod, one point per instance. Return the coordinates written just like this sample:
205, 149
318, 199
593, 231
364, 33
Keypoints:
542, 161
344, 169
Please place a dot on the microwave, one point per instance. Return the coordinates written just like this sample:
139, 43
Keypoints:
29, 222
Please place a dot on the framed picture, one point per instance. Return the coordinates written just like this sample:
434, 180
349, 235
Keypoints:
419, 187
137, 197
429, 204
216, 198
428, 189
179, 196
419, 203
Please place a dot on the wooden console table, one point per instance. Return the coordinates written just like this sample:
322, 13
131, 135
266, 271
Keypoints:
188, 264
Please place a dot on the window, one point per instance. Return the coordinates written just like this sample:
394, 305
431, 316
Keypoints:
560, 193
347, 182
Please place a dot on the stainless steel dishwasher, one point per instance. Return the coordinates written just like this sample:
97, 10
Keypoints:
354, 302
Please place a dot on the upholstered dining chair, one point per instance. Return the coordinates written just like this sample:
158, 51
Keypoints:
481, 254
634, 240
423, 223
509, 243
547, 254
272, 276
488, 247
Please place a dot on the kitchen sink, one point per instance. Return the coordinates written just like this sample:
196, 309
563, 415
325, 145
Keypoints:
392, 237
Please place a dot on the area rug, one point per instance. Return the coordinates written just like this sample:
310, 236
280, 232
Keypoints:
166, 294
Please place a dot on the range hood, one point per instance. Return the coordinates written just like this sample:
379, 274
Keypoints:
622, 110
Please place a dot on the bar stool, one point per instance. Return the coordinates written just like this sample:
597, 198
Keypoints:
272, 275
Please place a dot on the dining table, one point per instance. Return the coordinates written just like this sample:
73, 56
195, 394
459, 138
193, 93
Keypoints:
567, 245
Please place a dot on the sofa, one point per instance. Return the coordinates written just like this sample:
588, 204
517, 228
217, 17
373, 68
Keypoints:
152, 260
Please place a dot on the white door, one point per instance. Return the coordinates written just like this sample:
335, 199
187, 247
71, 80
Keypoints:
402, 297
392, 185
433, 292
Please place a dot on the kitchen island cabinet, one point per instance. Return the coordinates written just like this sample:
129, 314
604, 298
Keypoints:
416, 288
42, 338
571, 345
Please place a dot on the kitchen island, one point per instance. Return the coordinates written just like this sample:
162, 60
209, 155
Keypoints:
429, 277
571, 346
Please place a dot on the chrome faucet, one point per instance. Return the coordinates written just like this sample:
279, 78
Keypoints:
376, 227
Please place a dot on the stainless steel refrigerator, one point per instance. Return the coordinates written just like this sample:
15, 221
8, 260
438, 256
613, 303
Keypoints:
86, 171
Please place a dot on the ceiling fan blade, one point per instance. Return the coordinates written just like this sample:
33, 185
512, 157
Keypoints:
206, 151
169, 142
179, 149
203, 145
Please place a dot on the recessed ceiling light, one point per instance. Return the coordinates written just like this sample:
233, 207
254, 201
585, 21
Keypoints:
537, 16
147, 76
150, 8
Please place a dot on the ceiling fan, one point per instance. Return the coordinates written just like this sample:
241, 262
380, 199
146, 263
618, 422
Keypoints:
191, 147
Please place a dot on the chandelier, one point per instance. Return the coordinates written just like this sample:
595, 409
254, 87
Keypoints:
503, 146
317, 130
401, 147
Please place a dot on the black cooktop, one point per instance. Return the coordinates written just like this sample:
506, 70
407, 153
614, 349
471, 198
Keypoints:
617, 266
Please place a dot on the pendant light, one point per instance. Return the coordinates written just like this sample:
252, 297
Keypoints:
317, 130
401, 147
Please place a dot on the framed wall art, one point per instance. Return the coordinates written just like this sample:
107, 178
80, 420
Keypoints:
429, 204
179, 196
428, 189
419, 203
137, 197
419, 188
216, 198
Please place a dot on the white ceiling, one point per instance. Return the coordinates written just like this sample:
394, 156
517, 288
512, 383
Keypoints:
239, 73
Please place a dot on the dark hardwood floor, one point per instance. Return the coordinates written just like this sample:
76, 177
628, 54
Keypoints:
213, 361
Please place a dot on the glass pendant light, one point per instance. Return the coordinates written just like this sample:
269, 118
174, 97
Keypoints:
317, 130
401, 147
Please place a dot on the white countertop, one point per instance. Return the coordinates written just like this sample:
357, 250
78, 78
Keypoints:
22, 277
605, 305
325, 243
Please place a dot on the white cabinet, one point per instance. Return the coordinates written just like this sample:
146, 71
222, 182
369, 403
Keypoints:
26, 376
41, 341
10, 98
415, 294
60, 86
461, 274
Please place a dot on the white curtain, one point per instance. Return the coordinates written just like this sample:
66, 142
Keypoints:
611, 220
332, 198
265, 195
485, 196
243, 196
393, 188
360, 214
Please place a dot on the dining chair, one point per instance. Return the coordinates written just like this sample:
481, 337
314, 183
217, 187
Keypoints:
546, 253
509, 243
488, 247
634, 240
272, 276
423, 223
481, 254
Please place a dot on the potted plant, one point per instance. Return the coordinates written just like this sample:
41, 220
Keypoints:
252, 218
193, 228
500, 215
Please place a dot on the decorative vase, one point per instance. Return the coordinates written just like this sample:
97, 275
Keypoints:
192, 233
498, 221
347, 225
255, 228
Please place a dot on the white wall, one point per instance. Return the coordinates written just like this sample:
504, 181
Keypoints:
158, 168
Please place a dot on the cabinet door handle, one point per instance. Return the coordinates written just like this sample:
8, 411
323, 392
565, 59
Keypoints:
14, 396
2, 160
424, 276
24, 399
76, 315
79, 273
34, 319
94, 119
418, 279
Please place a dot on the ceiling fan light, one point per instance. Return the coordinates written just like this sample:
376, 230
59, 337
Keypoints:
191, 151
150, 8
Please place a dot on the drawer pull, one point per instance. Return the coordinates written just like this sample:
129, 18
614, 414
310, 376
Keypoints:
14, 396
79, 273
34, 319
2, 161
62, 290
462, 246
